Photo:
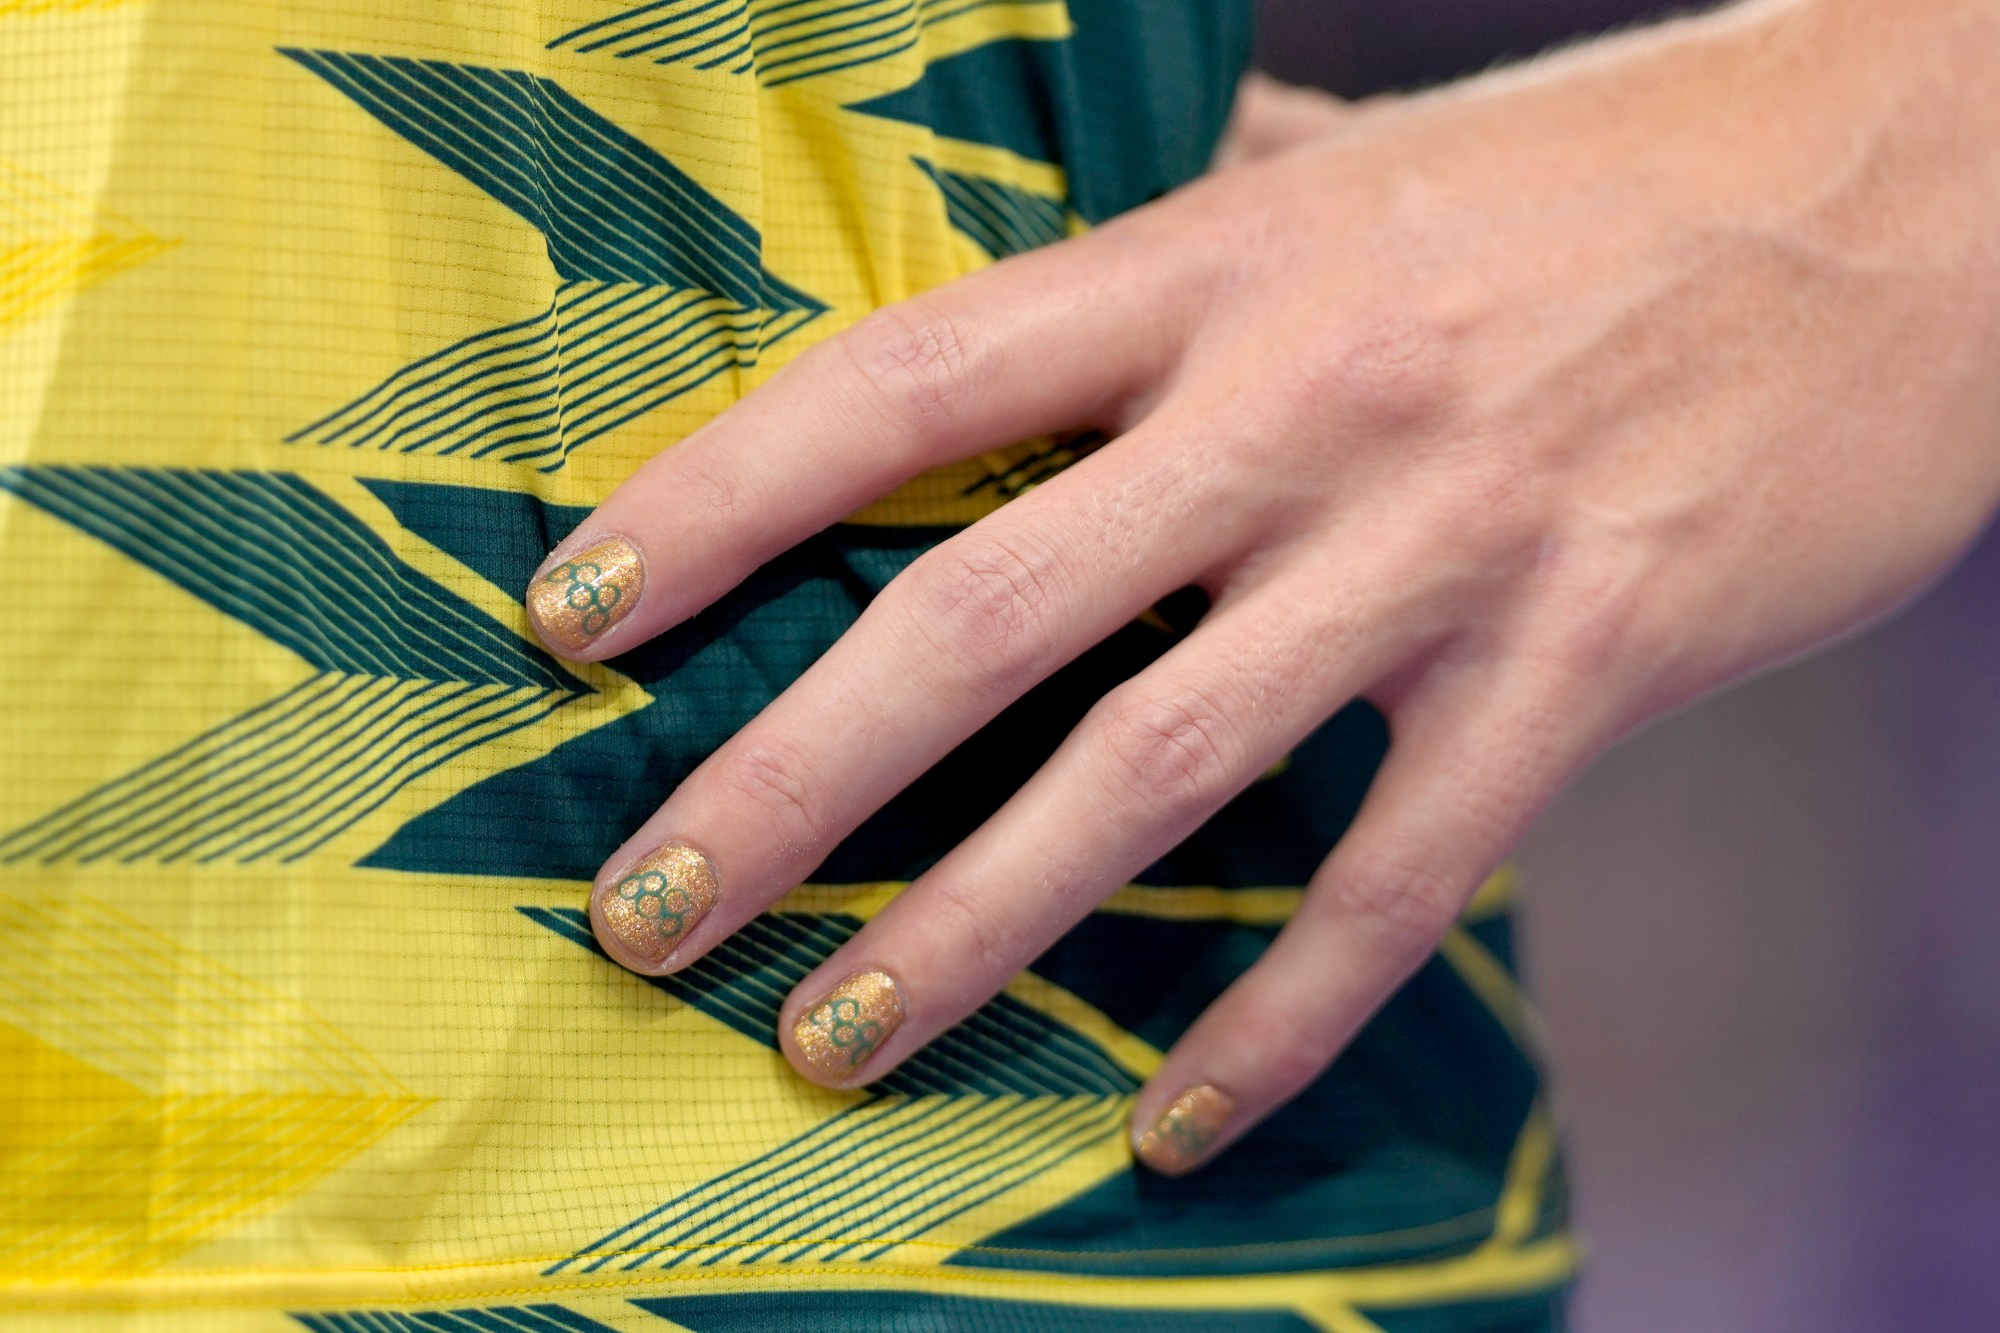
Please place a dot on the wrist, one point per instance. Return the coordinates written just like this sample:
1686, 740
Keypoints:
1908, 161
1865, 132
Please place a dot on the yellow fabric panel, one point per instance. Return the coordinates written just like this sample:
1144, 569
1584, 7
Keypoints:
242, 1075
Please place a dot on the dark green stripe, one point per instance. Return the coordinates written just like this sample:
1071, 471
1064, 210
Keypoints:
612, 208
271, 551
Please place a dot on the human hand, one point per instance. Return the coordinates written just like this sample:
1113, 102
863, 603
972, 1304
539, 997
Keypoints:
1527, 410
1270, 116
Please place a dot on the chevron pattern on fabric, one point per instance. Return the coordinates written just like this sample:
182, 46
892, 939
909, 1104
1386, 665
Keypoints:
989, 1107
53, 245
285, 778
660, 286
487, 1319
613, 208
1000, 219
1007, 1049
281, 556
408, 677
170, 1142
600, 355
31, 8
783, 41
901, 1168
883, 1311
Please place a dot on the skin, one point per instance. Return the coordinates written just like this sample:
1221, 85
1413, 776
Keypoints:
1607, 381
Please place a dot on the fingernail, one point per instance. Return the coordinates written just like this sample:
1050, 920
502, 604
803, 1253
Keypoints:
573, 602
654, 906
1181, 1138
849, 1023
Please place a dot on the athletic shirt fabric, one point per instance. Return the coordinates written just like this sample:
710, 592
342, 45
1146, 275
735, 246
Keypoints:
320, 323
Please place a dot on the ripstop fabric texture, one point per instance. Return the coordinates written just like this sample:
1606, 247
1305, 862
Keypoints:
320, 322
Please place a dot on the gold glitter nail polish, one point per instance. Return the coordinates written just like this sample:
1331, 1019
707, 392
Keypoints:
573, 602
1181, 1138
849, 1023
656, 903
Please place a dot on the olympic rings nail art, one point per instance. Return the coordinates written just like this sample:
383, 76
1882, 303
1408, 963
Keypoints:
578, 599
849, 1024
1181, 1139
653, 906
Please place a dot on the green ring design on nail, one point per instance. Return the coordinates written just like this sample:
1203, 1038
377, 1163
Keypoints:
1185, 1134
841, 1020
668, 906
585, 594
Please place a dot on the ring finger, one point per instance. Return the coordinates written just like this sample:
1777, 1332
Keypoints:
1149, 764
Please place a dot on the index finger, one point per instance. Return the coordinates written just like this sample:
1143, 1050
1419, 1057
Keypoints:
1038, 343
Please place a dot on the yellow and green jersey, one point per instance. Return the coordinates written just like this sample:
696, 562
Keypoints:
320, 323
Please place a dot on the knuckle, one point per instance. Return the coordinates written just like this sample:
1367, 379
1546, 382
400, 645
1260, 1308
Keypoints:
1170, 753
915, 362
1402, 896
1497, 511
776, 778
1382, 374
987, 605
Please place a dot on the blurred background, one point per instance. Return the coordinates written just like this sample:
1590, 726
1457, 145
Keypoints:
1764, 933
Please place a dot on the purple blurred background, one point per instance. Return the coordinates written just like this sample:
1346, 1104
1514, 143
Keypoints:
1764, 932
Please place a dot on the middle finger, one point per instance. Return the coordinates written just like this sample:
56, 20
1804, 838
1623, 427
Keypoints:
950, 643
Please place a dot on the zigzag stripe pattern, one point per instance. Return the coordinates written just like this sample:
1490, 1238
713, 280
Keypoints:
285, 778
1007, 1049
30, 8
59, 1219
661, 285
408, 675
914, 1166
238, 1028
611, 207
123, 1150
282, 557
1001, 219
491, 1319
784, 41
37, 273
712, 34
1007, 1095
747, 1309
600, 355
53, 245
